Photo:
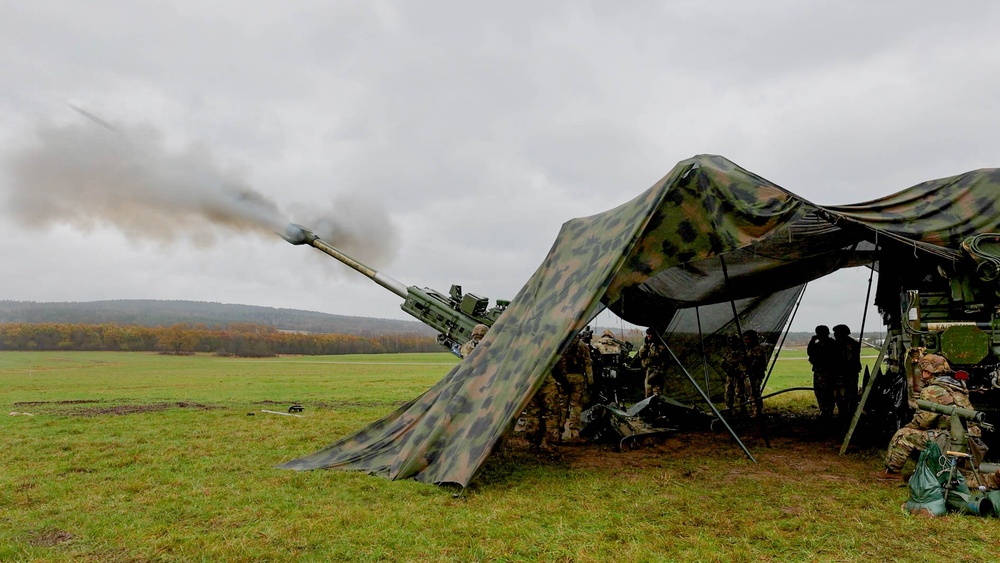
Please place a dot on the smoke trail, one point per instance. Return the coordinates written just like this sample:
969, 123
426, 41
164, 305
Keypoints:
85, 176
359, 227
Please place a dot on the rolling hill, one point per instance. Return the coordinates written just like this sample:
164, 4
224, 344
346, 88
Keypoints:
149, 312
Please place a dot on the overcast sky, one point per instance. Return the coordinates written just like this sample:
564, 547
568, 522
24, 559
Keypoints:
150, 150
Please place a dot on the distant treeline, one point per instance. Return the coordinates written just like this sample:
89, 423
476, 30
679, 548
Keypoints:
238, 339
154, 313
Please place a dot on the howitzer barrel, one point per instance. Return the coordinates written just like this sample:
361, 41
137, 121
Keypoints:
297, 234
454, 316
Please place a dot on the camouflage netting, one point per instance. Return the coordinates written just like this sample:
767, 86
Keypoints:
677, 257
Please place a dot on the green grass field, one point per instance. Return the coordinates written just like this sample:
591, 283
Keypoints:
141, 457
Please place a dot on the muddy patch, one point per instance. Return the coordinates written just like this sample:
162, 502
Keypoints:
39, 403
135, 409
332, 404
50, 538
793, 446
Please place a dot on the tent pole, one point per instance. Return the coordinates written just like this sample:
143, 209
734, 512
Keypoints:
864, 397
704, 355
881, 355
755, 393
788, 326
732, 302
708, 401
864, 313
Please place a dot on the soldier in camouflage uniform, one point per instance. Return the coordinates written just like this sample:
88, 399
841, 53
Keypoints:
913, 383
745, 366
757, 356
478, 332
939, 387
575, 369
737, 382
607, 343
822, 355
653, 355
543, 420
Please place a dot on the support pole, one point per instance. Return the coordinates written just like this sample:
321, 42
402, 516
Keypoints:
784, 335
704, 353
732, 302
755, 393
861, 337
864, 397
708, 401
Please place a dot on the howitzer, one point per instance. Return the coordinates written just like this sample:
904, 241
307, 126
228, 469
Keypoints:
453, 316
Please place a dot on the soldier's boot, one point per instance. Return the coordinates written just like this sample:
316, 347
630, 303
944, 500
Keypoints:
888, 475
549, 450
573, 438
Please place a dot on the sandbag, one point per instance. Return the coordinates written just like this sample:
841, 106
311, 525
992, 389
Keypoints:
926, 493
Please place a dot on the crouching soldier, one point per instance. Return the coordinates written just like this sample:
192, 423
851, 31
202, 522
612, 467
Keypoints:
939, 387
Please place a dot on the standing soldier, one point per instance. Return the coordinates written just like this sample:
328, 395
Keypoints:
574, 368
822, 351
734, 365
543, 417
478, 332
757, 356
848, 366
653, 354
608, 354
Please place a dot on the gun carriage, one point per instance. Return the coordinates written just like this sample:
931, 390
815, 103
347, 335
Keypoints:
453, 315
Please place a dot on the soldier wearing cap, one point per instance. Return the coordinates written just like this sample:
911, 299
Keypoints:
478, 332
939, 387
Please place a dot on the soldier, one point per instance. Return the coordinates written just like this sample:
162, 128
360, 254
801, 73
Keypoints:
939, 387
757, 356
575, 370
653, 355
543, 417
607, 343
478, 332
913, 383
848, 367
734, 365
822, 352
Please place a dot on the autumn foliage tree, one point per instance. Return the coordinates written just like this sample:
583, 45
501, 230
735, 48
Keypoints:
240, 339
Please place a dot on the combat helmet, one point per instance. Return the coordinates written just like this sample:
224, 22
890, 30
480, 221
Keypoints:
934, 364
479, 330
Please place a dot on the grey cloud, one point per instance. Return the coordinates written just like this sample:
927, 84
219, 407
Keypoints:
460, 136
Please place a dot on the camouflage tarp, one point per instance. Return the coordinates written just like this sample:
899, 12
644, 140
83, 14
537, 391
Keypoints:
709, 232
